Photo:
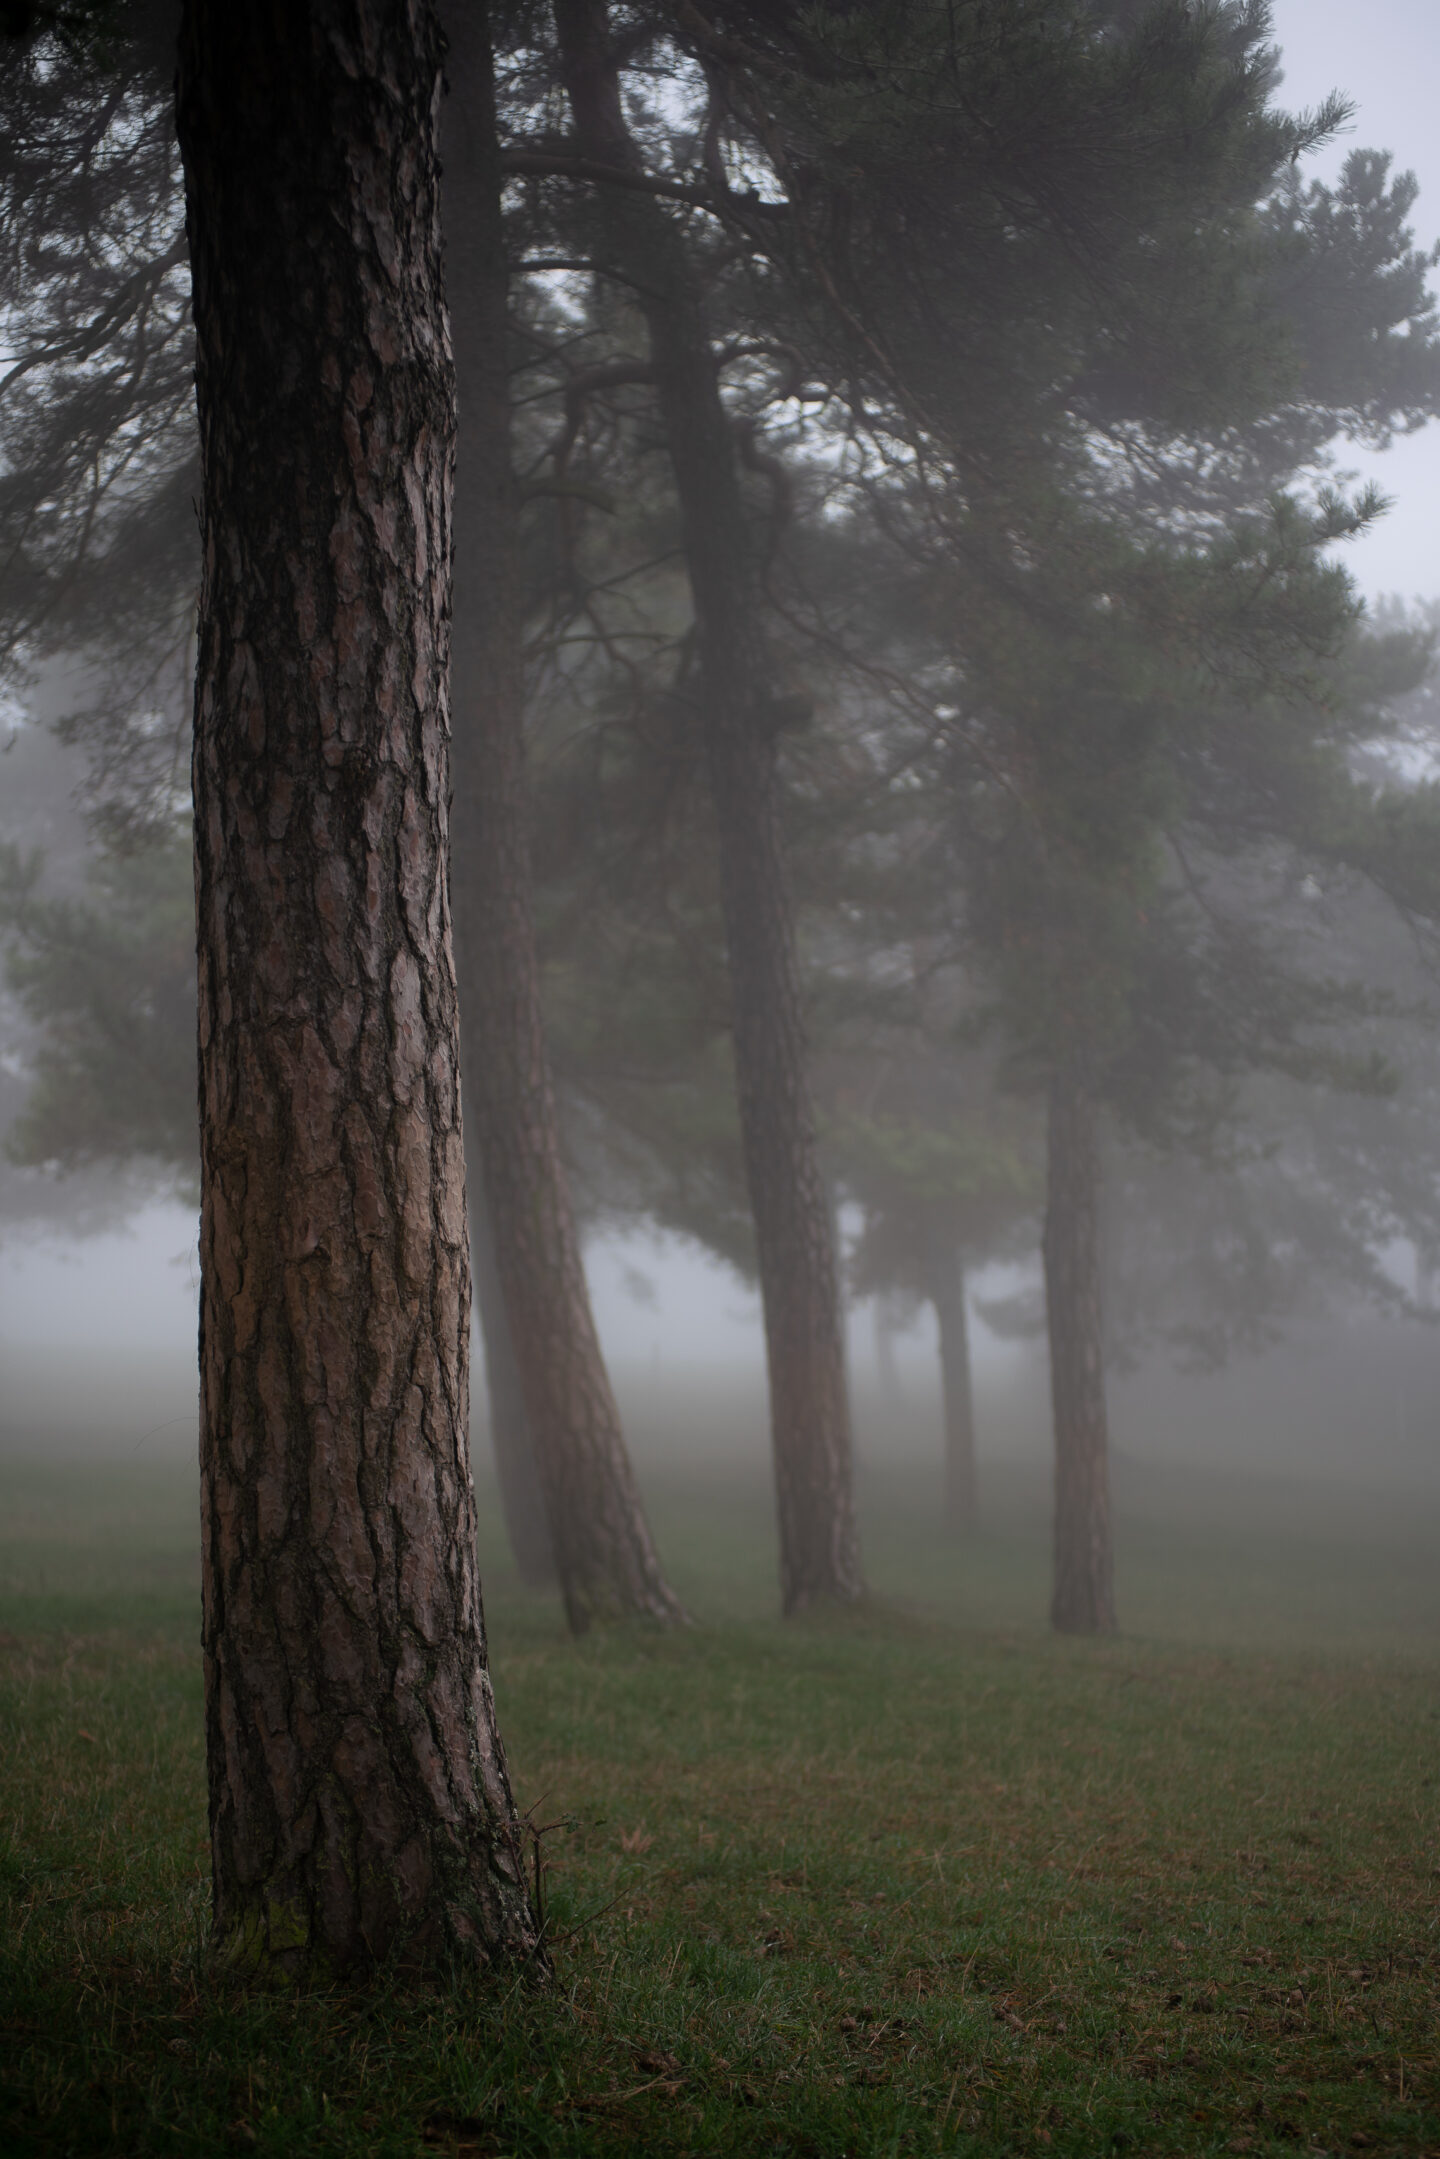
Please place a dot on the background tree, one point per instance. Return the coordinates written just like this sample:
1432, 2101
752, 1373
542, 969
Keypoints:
738, 712
945, 1173
603, 1553
1000, 410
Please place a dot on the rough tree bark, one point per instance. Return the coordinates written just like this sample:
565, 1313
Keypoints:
809, 1404
359, 1801
603, 1553
522, 1501
946, 1277
1084, 1589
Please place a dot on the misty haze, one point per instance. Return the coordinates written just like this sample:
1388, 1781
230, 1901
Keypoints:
719, 1077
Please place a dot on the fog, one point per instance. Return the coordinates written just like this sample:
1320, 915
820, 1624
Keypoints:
97, 1360
97, 1330
719, 1076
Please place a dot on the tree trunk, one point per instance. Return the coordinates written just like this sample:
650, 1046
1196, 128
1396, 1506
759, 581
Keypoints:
359, 1801
522, 1501
947, 1294
600, 1540
810, 1411
887, 1365
1084, 1595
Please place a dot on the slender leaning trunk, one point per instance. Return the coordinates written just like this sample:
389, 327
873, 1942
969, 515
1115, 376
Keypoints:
1084, 1590
601, 1544
359, 1802
947, 1295
810, 1412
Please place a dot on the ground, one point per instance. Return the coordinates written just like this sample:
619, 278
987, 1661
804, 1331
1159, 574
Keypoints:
913, 1880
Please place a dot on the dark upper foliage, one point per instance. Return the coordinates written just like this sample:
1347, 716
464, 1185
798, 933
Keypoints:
98, 548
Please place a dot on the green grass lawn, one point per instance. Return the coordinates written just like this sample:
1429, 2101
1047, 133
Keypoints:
916, 1880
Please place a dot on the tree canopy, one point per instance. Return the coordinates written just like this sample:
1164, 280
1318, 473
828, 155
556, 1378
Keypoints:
935, 674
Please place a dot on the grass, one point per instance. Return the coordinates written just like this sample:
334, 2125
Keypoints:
911, 1881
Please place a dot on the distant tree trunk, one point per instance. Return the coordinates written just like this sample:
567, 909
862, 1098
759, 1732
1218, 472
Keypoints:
600, 1541
522, 1500
359, 1802
887, 1366
810, 1411
947, 1294
1084, 1590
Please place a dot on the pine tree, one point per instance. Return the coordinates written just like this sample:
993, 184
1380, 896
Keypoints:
739, 714
603, 1553
1069, 285
359, 1802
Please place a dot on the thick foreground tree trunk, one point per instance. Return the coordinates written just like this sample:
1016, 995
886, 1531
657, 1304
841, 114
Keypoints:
359, 1802
809, 1405
947, 1294
522, 1501
1084, 1594
600, 1540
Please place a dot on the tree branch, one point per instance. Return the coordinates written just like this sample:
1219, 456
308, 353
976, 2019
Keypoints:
565, 165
